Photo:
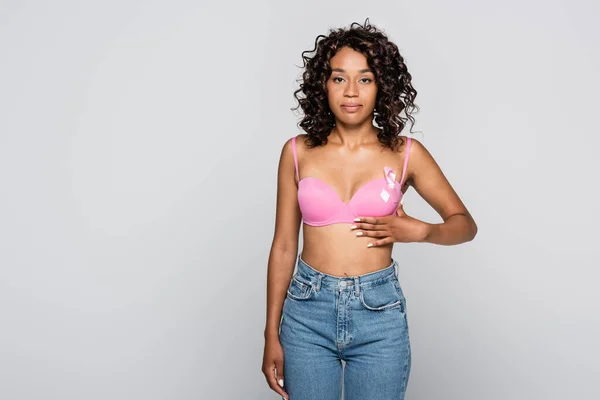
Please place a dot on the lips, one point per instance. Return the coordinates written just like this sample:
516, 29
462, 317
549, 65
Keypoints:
351, 107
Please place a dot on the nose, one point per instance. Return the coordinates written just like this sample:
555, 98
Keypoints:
351, 89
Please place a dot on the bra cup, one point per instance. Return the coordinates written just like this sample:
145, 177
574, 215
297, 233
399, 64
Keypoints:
317, 200
371, 200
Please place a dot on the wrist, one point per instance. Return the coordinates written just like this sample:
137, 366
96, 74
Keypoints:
270, 334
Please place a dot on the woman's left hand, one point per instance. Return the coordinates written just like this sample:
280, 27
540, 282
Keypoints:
391, 228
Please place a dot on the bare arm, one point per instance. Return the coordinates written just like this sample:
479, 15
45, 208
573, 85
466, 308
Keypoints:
284, 248
429, 181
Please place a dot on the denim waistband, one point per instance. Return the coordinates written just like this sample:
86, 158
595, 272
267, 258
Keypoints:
318, 279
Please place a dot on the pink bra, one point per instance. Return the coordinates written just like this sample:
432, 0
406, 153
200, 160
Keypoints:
320, 205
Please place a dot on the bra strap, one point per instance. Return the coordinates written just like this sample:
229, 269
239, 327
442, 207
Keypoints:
407, 153
295, 157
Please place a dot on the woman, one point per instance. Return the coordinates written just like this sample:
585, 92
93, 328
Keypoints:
345, 179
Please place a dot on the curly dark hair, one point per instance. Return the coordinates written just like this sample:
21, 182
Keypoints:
395, 92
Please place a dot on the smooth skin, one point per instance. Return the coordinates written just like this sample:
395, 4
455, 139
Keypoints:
352, 156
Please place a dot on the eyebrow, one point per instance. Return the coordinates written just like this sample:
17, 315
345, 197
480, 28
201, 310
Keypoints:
343, 70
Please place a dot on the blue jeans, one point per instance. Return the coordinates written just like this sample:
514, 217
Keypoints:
361, 320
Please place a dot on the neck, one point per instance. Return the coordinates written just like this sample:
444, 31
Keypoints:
353, 135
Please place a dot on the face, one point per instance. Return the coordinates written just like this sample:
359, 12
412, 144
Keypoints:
351, 88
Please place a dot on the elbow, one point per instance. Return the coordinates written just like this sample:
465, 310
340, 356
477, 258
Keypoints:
472, 230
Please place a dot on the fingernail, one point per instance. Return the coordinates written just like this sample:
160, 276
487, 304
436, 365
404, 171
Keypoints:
359, 233
356, 219
353, 227
370, 245
281, 382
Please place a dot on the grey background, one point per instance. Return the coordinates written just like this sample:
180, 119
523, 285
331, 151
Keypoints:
139, 143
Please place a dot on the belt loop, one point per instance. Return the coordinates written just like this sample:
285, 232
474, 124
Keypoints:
395, 268
318, 279
356, 284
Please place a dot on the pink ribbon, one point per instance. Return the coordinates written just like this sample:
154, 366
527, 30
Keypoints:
390, 177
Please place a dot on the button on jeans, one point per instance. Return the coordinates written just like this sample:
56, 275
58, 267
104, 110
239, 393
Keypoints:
361, 320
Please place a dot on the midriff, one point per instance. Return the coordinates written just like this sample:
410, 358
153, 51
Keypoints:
336, 250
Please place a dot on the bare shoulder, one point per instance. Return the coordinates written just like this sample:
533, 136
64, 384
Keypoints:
301, 141
419, 158
300, 138
287, 149
416, 147
301, 146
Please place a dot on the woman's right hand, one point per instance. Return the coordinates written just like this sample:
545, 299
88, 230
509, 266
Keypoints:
272, 366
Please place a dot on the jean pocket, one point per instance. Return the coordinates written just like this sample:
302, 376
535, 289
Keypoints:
299, 290
382, 297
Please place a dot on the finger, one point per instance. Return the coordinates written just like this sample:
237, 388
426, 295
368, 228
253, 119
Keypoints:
279, 372
372, 222
364, 225
272, 381
369, 220
381, 242
380, 233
